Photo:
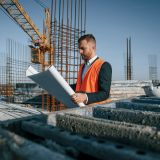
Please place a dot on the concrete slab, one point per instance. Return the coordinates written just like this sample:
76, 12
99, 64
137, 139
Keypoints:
10, 113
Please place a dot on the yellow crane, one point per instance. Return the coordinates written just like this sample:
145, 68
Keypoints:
41, 41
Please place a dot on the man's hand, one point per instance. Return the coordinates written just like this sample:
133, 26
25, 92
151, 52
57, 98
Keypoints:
79, 97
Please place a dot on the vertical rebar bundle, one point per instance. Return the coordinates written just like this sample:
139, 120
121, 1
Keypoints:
68, 24
128, 67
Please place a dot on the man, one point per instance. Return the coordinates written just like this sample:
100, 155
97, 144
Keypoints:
94, 77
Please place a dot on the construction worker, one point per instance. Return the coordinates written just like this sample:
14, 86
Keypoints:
94, 76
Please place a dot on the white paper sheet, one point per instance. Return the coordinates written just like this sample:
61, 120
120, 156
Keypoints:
55, 84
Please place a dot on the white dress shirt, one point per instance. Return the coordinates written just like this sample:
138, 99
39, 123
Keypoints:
87, 65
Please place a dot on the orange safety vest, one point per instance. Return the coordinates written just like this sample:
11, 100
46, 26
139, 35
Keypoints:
90, 81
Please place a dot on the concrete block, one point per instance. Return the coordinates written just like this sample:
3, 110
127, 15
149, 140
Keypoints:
93, 147
127, 115
14, 147
85, 111
149, 98
138, 106
146, 100
137, 135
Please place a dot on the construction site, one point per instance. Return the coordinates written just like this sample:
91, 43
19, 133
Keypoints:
35, 125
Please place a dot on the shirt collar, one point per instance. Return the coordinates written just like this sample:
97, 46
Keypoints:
91, 60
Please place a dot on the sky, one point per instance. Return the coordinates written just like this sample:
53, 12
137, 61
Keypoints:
111, 22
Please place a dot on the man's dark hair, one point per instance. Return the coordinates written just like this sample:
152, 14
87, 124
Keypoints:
87, 37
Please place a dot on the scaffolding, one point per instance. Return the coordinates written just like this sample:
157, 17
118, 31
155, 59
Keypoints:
15, 87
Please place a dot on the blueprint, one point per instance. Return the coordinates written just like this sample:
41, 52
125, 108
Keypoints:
54, 84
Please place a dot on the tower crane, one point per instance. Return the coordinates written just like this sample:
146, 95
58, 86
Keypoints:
41, 41
59, 48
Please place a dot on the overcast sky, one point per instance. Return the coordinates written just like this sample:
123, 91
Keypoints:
111, 21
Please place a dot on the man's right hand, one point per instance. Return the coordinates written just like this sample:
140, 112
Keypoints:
79, 98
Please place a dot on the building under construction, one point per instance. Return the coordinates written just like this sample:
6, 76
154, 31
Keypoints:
65, 22
152, 59
126, 128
